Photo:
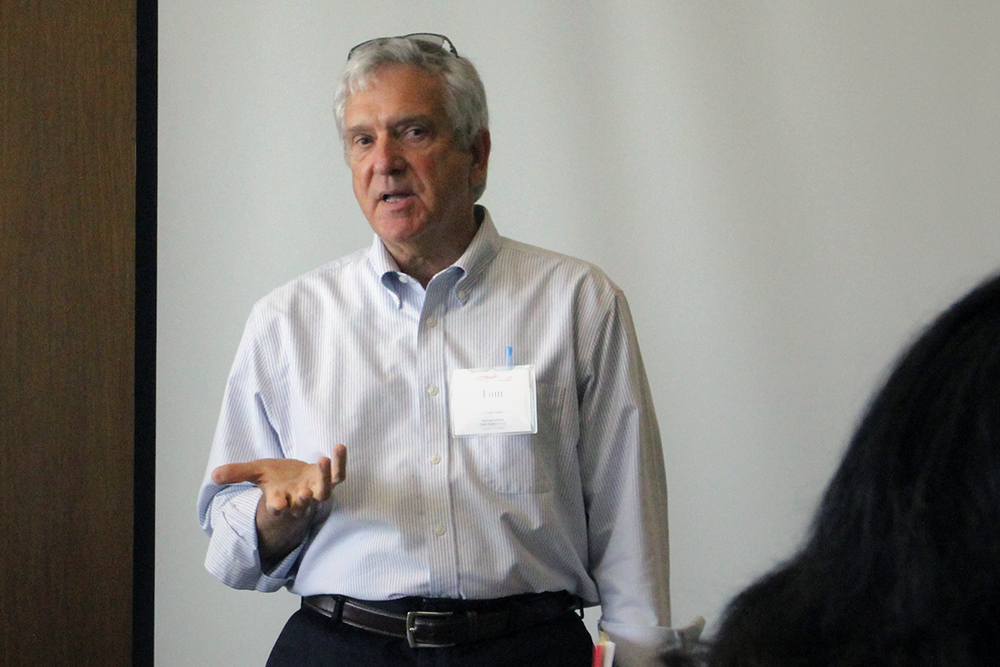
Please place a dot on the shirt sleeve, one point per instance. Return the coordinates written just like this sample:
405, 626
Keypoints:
247, 430
624, 490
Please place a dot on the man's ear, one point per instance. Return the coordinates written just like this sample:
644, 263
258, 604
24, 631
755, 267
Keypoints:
480, 150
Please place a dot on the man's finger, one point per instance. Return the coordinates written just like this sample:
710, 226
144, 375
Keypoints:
235, 473
320, 484
299, 504
339, 465
277, 500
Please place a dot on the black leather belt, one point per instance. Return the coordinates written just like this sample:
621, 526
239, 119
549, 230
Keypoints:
466, 622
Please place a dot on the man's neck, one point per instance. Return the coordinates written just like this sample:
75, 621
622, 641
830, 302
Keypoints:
424, 261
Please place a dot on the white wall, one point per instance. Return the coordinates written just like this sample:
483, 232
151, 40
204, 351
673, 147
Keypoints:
785, 190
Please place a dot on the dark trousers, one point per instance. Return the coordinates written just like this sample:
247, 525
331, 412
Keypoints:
310, 639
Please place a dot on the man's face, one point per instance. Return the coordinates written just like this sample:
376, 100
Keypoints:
413, 183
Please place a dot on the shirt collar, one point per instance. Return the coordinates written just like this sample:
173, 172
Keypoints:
484, 247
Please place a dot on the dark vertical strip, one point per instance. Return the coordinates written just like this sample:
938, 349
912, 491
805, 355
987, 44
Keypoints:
145, 336
67, 331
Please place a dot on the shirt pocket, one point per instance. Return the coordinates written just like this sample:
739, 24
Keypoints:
526, 463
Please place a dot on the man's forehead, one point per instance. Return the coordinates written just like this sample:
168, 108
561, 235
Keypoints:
395, 92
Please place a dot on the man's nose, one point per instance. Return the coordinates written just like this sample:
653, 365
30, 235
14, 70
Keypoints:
388, 159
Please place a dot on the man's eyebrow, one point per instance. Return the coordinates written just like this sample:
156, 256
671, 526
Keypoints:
365, 128
425, 119
360, 128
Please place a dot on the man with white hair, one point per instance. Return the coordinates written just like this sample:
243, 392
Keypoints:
506, 468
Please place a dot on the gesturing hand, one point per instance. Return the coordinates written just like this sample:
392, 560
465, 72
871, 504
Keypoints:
292, 492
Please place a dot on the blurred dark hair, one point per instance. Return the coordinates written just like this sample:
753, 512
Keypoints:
902, 565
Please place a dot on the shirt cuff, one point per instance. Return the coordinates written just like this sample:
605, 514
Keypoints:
232, 556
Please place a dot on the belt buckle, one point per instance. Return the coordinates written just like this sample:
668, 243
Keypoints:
411, 622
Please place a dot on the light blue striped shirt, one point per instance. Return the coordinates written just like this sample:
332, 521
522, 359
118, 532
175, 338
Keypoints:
358, 353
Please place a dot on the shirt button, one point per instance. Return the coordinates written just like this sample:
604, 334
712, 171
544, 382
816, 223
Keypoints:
461, 294
435, 459
439, 529
403, 278
432, 390
432, 322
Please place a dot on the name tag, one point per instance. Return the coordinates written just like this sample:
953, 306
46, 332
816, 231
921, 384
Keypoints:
493, 401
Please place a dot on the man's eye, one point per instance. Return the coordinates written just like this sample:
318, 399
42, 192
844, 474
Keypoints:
362, 140
415, 132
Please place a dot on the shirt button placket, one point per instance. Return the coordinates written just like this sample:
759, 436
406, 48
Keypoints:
434, 424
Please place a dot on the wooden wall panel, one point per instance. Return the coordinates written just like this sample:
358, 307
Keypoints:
67, 333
